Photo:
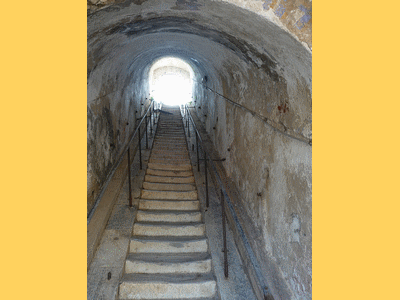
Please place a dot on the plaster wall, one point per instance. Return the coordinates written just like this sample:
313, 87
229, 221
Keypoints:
260, 121
293, 16
116, 97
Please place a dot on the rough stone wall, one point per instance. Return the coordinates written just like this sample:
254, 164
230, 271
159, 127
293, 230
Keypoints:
114, 101
264, 136
294, 16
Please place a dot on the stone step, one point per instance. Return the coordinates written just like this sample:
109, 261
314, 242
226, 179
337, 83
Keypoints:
168, 216
170, 141
173, 128
148, 244
170, 122
170, 128
167, 286
171, 263
168, 186
168, 229
170, 137
170, 154
169, 173
170, 167
169, 195
167, 179
172, 161
175, 153
159, 150
171, 133
167, 152
169, 204
169, 146
171, 157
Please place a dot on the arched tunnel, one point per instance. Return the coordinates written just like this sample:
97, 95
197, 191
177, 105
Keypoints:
252, 87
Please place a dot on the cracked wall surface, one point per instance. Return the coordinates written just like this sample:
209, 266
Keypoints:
252, 90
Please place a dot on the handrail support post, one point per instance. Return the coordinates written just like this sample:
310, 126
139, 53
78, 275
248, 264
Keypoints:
129, 177
198, 158
147, 139
140, 149
226, 271
205, 170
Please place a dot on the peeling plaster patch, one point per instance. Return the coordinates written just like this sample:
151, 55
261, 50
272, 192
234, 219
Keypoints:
267, 4
280, 11
304, 19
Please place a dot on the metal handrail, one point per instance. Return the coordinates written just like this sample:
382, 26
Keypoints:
137, 131
224, 195
225, 199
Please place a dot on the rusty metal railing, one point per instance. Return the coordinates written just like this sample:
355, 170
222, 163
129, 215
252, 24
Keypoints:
149, 116
259, 284
223, 193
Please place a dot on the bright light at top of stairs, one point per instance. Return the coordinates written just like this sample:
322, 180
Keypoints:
172, 90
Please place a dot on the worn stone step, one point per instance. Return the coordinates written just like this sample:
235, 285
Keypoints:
168, 216
170, 129
171, 137
167, 179
162, 152
168, 186
170, 141
170, 167
171, 161
171, 134
169, 195
168, 229
149, 244
183, 159
183, 152
172, 263
169, 173
174, 148
165, 150
169, 204
178, 132
168, 123
167, 286
170, 145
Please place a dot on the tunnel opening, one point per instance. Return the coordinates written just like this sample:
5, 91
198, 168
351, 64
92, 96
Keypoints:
171, 81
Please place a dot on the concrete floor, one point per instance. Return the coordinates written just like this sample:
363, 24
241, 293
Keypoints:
106, 269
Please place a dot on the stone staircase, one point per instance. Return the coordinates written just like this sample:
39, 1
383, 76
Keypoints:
168, 254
